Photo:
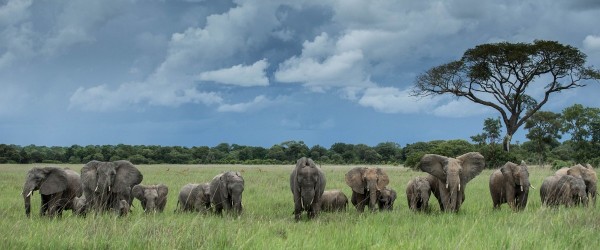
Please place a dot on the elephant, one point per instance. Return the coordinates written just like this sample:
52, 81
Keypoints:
418, 192
194, 197
365, 182
105, 184
307, 183
79, 206
588, 174
386, 198
333, 200
563, 190
510, 184
152, 197
123, 208
57, 189
226, 192
451, 176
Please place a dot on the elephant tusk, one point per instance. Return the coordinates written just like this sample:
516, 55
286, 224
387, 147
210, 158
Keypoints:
29, 194
108, 188
96, 190
458, 186
521, 188
446, 185
531, 186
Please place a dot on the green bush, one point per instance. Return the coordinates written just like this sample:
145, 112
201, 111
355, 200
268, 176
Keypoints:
558, 164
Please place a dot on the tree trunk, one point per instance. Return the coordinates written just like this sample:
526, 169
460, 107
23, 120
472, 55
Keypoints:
506, 142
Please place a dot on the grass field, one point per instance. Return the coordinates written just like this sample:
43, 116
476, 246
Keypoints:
267, 221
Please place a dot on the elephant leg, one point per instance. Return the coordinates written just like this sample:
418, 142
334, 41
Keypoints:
359, 201
297, 209
44, 206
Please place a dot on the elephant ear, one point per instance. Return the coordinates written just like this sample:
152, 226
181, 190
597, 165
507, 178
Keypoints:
88, 174
507, 171
162, 190
472, 165
434, 165
354, 179
55, 181
138, 192
321, 182
127, 176
589, 166
382, 179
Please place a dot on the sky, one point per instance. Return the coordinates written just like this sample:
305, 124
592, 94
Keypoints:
259, 72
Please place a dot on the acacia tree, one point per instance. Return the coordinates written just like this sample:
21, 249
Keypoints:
492, 128
501, 76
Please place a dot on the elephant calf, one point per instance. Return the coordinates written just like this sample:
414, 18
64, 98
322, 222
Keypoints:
418, 192
226, 192
194, 197
152, 197
386, 198
333, 200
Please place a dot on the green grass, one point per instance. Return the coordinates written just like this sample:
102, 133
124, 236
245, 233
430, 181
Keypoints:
267, 221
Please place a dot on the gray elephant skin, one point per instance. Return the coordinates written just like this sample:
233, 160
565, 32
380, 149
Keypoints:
418, 192
510, 184
333, 201
106, 184
152, 197
564, 190
57, 189
451, 176
307, 183
365, 183
386, 198
194, 197
588, 174
226, 192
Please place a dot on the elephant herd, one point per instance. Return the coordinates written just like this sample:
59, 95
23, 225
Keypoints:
112, 186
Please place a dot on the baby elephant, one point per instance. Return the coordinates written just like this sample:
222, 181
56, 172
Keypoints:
194, 197
152, 197
79, 206
386, 198
123, 208
333, 200
418, 191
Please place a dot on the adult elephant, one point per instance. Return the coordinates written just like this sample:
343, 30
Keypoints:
386, 198
152, 197
307, 183
226, 192
510, 184
333, 200
418, 192
451, 176
563, 190
194, 197
107, 184
587, 173
365, 183
58, 187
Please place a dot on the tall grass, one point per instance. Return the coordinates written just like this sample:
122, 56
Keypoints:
267, 221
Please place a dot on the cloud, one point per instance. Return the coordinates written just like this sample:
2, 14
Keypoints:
592, 43
393, 100
102, 98
14, 11
259, 102
460, 108
240, 75
13, 99
76, 21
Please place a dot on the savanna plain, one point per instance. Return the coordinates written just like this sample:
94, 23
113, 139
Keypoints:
267, 221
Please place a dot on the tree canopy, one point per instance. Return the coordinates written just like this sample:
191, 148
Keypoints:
500, 76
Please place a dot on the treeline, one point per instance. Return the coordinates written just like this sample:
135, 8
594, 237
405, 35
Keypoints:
286, 153
545, 129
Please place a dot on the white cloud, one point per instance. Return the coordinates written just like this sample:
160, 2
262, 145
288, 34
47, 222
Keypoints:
591, 43
155, 93
393, 100
460, 108
14, 11
259, 102
240, 75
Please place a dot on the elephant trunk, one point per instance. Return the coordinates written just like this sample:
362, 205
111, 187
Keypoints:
373, 190
454, 189
307, 197
27, 192
150, 206
237, 203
